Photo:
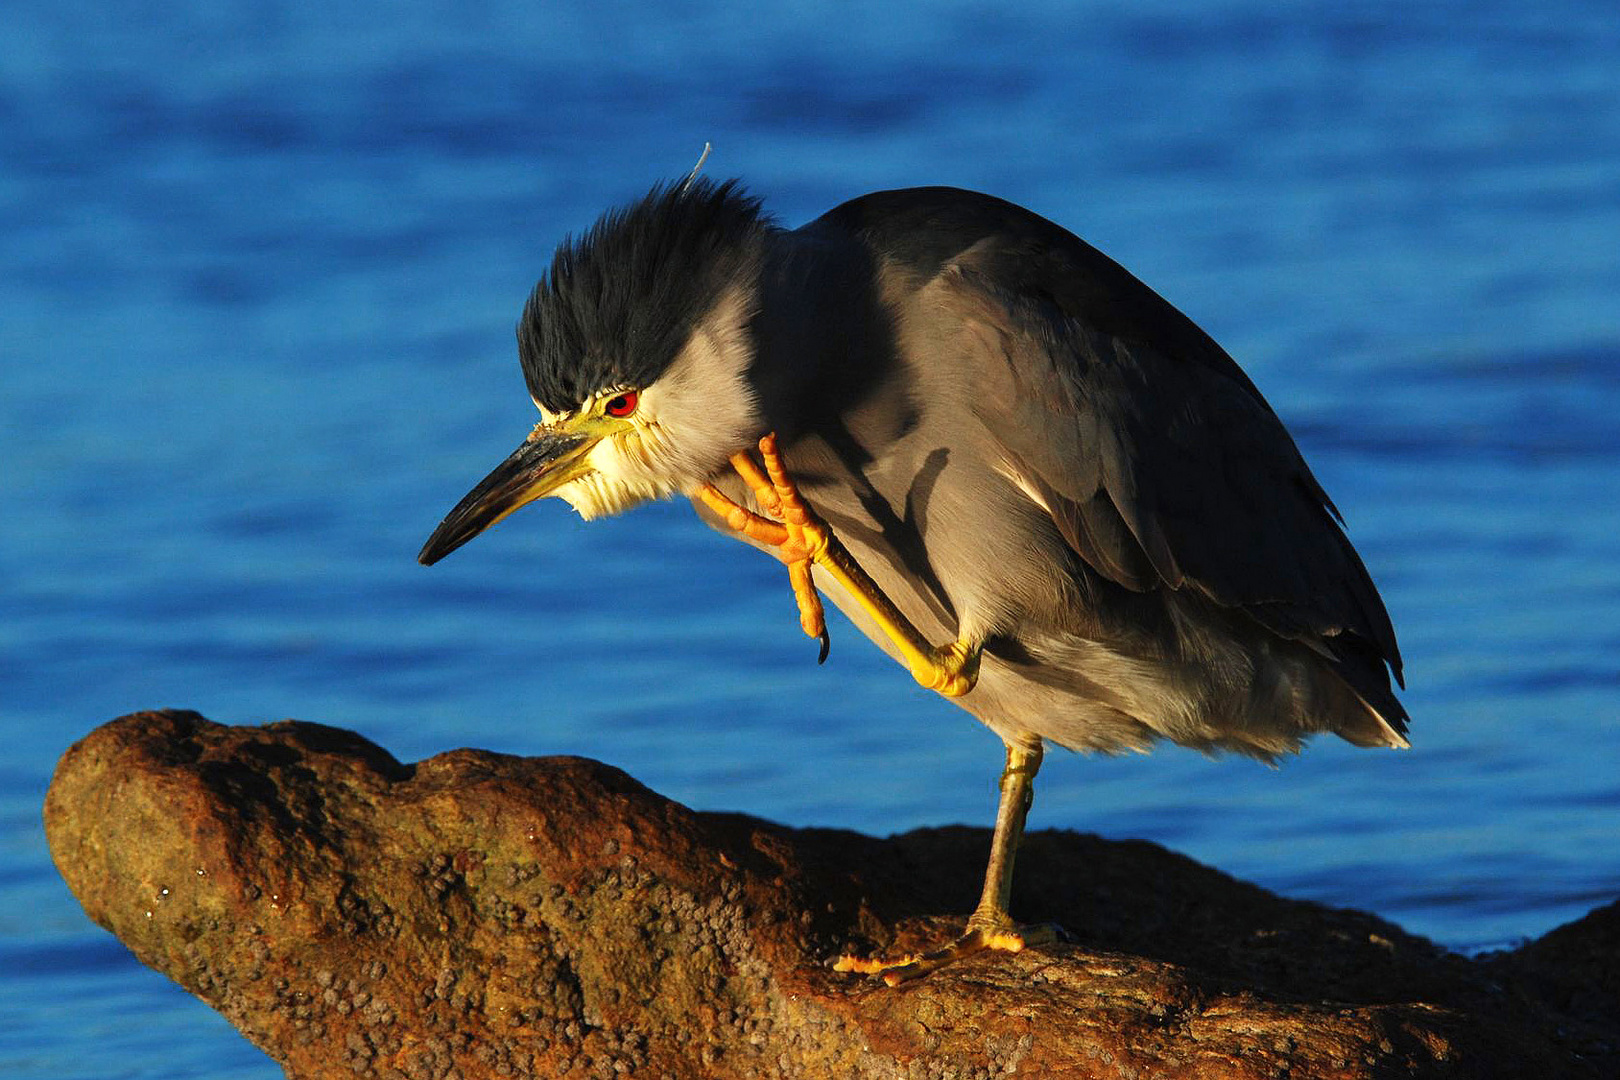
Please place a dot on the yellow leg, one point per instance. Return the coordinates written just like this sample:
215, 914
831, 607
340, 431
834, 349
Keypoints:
802, 539
990, 927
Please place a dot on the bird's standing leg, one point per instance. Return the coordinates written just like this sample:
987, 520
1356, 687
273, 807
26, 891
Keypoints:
990, 927
802, 539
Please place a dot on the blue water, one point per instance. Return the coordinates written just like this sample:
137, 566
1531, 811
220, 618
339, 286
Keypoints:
259, 271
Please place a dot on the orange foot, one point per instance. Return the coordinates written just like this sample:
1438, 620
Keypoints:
979, 938
800, 537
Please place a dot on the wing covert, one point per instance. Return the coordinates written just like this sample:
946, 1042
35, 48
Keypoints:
1159, 461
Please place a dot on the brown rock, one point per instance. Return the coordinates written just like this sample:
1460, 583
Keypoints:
477, 915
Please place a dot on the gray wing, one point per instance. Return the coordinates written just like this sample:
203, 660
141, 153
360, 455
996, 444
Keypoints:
1159, 461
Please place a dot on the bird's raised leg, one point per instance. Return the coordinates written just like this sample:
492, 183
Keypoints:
802, 538
990, 927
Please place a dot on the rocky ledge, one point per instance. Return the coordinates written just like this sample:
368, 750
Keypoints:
478, 915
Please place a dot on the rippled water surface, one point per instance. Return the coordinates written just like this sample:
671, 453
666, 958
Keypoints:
260, 268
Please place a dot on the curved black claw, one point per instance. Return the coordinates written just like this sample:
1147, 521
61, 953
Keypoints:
826, 645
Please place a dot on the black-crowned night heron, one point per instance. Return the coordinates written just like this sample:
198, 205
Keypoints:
1015, 467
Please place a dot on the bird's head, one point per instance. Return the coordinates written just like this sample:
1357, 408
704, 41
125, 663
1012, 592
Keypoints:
636, 347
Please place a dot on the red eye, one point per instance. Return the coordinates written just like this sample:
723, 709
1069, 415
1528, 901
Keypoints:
623, 405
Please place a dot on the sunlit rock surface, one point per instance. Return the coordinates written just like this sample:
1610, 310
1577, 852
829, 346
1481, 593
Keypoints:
480, 915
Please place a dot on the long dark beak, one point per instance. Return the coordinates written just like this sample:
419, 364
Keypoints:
546, 461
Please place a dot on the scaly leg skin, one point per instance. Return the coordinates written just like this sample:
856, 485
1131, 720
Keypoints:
802, 538
990, 927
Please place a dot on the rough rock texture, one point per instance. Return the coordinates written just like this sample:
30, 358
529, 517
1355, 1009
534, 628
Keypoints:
476, 915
